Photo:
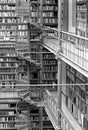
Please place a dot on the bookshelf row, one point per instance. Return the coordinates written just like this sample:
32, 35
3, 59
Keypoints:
76, 96
50, 68
22, 27
7, 95
48, 62
81, 18
8, 27
7, 1
7, 7
7, 14
7, 77
50, 8
50, 21
8, 33
7, 64
8, 20
49, 2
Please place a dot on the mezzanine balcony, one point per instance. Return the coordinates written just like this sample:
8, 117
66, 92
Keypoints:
71, 48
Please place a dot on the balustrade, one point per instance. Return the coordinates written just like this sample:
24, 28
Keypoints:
72, 47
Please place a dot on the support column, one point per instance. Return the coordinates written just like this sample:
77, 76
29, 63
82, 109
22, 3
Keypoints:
28, 72
59, 75
29, 117
41, 118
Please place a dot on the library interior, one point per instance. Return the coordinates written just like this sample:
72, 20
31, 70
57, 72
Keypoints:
43, 65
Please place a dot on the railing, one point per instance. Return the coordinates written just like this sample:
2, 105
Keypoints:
35, 94
51, 106
50, 38
70, 46
75, 48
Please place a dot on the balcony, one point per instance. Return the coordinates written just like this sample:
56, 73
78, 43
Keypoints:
51, 107
72, 49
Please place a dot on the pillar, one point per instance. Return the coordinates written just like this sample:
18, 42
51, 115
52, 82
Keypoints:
41, 118
59, 76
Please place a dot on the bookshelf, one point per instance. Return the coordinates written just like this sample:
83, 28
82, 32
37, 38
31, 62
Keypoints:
8, 57
8, 62
76, 96
49, 64
38, 122
81, 17
50, 13
35, 41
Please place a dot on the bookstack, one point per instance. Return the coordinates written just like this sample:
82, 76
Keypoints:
8, 63
35, 41
49, 63
39, 118
46, 122
50, 13
22, 45
76, 96
46, 73
22, 38
49, 67
82, 9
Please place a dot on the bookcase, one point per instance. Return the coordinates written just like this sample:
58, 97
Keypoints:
35, 42
50, 13
46, 122
8, 57
35, 47
81, 17
38, 122
76, 96
49, 64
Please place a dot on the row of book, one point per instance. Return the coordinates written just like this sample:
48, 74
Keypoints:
49, 2
81, 25
81, 15
7, 49
48, 56
8, 33
7, 1
23, 33
50, 20
48, 14
8, 20
22, 40
8, 27
7, 39
49, 75
8, 45
7, 14
7, 77
8, 55
82, 7
8, 64
7, 7
22, 27
7, 70
6, 95
10, 118
81, 18
50, 8
50, 62
82, 33
50, 68
7, 126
